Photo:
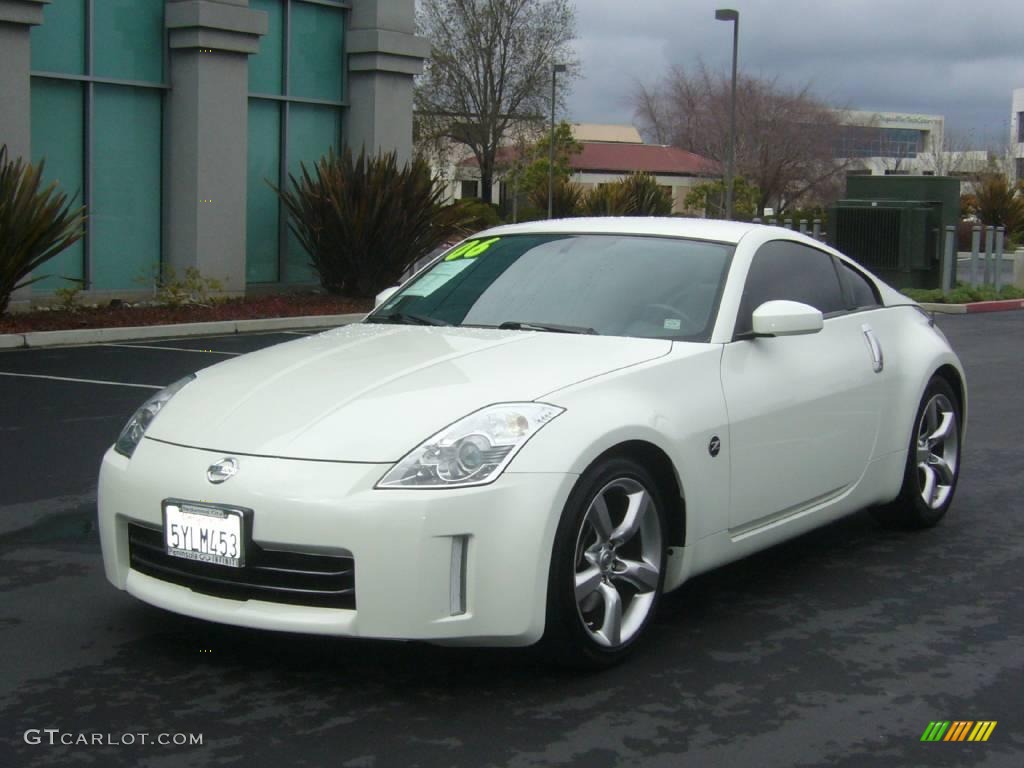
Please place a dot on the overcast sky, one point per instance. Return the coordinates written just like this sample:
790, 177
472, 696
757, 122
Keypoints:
957, 59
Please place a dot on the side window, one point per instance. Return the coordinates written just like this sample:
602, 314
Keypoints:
786, 270
860, 291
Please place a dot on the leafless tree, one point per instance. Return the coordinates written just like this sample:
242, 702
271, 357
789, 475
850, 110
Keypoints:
490, 67
785, 139
952, 155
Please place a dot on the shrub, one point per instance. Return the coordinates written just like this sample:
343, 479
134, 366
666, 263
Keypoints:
475, 214
67, 298
565, 199
645, 196
637, 194
999, 204
964, 294
709, 197
363, 221
192, 288
606, 200
36, 223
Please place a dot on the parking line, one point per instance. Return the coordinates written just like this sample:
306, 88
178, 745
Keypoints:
79, 381
173, 349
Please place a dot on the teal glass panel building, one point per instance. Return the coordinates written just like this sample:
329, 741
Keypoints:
173, 121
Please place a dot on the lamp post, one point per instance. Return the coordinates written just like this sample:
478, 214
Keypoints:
728, 14
551, 149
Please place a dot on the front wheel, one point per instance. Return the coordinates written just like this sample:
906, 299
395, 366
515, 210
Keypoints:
607, 567
933, 463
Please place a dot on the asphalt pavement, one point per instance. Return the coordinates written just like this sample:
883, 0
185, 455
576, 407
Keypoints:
837, 648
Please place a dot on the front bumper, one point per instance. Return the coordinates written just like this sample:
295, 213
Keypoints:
401, 543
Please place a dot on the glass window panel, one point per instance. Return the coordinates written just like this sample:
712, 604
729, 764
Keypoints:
316, 52
312, 130
125, 212
129, 39
57, 138
265, 67
785, 270
860, 291
58, 44
261, 208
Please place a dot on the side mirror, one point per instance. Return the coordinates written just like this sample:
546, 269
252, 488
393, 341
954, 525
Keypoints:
786, 318
384, 295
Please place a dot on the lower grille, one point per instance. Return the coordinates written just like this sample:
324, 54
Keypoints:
296, 578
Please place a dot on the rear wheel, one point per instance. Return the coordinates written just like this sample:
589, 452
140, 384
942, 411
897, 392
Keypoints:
607, 567
933, 462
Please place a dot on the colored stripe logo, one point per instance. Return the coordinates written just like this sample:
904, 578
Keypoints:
959, 730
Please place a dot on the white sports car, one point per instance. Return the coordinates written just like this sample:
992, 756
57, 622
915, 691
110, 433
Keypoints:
537, 436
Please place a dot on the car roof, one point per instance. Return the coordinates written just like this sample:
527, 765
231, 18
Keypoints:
700, 229
717, 230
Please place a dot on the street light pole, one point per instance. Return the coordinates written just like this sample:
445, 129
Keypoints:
551, 149
728, 14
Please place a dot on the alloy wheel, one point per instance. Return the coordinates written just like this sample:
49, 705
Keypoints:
617, 562
938, 451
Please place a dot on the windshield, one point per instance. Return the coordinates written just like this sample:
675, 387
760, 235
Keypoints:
614, 285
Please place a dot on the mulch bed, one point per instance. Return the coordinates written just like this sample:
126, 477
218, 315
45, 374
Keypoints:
285, 305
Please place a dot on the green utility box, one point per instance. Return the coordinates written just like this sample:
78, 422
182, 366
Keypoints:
894, 226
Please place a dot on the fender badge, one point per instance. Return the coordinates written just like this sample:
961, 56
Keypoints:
713, 447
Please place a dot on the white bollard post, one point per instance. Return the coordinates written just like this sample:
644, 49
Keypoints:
949, 260
975, 247
1000, 235
990, 235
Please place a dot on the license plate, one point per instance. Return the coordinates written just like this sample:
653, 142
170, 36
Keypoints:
204, 533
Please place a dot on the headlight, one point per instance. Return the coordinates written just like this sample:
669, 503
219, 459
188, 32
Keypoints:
473, 450
137, 425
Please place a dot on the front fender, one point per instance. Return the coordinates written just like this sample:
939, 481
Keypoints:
674, 403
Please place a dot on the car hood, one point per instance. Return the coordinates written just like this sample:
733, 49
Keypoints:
371, 393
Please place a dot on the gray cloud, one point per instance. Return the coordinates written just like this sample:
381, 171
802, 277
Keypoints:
941, 57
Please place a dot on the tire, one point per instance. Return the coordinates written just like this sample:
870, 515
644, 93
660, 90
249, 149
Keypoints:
607, 566
933, 462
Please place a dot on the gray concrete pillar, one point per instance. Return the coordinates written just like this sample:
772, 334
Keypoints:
206, 135
384, 54
16, 19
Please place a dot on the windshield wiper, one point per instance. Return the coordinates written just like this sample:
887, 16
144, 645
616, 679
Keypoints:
408, 318
515, 325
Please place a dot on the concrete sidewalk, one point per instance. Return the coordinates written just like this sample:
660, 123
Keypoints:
35, 339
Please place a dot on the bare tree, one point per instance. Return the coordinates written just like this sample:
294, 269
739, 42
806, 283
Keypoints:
785, 139
490, 66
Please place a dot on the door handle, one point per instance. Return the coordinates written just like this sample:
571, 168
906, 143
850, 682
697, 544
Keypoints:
877, 358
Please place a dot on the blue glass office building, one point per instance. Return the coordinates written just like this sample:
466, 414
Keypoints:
172, 118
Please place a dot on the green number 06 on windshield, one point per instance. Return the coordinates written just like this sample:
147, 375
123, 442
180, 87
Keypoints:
471, 249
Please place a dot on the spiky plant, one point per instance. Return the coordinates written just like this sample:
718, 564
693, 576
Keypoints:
36, 223
999, 204
606, 200
637, 194
364, 220
645, 197
566, 197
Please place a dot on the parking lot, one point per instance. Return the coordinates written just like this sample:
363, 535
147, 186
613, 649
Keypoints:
835, 649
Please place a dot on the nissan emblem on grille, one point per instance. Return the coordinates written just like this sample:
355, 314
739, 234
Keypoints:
222, 470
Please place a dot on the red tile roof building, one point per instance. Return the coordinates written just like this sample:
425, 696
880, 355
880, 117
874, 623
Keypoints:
601, 162
598, 157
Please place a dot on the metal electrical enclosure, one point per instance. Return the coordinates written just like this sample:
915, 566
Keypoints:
893, 226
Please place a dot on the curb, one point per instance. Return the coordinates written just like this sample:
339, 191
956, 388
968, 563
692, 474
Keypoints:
944, 309
996, 306
35, 339
1000, 305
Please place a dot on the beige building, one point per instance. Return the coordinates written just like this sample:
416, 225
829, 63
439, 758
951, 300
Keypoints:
609, 152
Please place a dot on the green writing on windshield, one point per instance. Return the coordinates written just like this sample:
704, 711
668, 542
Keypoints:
471, 249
